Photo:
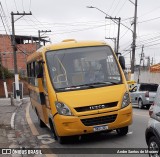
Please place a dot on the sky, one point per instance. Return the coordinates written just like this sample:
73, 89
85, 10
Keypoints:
71, 19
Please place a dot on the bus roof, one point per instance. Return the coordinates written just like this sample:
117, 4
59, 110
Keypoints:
69, 43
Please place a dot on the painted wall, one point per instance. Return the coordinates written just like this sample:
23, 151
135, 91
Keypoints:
147, 77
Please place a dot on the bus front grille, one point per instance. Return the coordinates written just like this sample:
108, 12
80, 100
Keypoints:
96, 107
99, 120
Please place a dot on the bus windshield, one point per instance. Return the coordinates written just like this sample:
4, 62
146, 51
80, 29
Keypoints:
84, 67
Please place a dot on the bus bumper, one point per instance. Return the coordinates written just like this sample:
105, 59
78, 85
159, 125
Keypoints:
72, 125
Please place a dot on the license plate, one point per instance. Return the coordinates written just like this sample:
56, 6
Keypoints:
100, 128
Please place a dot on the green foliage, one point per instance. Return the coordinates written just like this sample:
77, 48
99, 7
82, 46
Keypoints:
7, 74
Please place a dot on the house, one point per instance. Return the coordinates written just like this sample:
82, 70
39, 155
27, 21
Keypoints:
25, 46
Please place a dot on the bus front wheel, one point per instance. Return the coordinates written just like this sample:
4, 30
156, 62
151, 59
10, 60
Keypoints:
60, 139
122, 131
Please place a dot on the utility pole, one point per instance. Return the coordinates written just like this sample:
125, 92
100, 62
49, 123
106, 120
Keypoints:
152, 61
39, 36
134, 41
119, 24
141, 58
114, 40
117, 21
14, 51
148, 62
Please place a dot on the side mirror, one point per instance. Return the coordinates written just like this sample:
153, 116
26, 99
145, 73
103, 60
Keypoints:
131, 90
39, 69
134, 89
122, 62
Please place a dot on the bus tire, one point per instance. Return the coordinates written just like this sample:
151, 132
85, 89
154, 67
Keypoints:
122, 131
60, 139
52, 129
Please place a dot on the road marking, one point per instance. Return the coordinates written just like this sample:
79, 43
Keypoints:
12, 120
30, 123
36, 133
46, 139
129, 133
141, 115
48, 155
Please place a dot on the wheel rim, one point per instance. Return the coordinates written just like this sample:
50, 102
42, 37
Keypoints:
154, 147
140, 104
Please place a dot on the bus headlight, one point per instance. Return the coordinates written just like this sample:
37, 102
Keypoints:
63, 109
126, 100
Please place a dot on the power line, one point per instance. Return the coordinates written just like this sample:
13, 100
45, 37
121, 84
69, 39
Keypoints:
22, 5
29, 24
156, 38
149, 12
15, 5
70, 24
149, 20
150, 40
149, 45
7, 8
3, 24
115, 7
39, 22
121, 7
111, 6
79, 30
6, 21
124, 33
30, 5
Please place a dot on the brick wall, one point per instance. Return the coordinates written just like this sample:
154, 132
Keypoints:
7, 53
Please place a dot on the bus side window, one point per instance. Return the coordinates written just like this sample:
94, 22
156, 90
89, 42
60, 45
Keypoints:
44, 80
28, 71
31, 72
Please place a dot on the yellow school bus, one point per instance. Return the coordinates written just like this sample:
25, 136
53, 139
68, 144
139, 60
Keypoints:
78, 87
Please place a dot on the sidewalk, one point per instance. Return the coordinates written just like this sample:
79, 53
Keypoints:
7, 112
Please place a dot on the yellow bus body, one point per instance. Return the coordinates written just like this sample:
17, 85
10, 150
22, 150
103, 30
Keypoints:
72, 125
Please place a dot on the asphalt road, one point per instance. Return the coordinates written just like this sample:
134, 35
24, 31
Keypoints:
134, 139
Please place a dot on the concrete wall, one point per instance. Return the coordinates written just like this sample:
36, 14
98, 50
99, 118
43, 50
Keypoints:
147, 77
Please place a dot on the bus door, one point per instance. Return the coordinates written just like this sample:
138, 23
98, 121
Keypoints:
46, 107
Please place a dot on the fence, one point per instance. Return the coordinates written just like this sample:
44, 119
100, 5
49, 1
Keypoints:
10, 87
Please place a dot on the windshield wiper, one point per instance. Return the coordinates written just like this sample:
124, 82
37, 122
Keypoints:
103, 83
111, 82
91, 85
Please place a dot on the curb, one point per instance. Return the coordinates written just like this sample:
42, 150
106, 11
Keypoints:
12, 120
14, 114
